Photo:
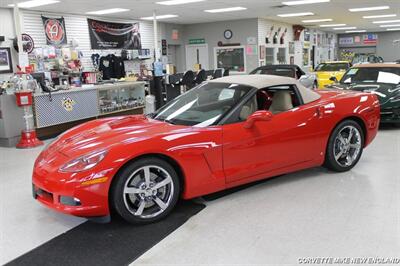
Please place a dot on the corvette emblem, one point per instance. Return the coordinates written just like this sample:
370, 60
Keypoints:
68, 104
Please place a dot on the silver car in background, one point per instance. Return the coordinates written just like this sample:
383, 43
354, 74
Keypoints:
291, 71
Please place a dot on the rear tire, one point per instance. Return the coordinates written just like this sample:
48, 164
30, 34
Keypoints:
345, 146
145, 191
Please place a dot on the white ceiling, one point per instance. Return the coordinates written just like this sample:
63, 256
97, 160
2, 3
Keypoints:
193, 13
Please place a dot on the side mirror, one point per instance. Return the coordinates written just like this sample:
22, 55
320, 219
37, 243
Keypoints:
334, 79
258, 116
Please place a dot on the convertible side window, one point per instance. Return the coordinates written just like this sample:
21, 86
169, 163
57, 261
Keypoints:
278, 99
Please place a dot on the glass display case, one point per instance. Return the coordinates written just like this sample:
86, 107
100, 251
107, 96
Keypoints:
117, 98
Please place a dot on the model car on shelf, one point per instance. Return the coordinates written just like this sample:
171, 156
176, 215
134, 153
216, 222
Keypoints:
291, 71
382, 80
366, 59
221, 134
329, 71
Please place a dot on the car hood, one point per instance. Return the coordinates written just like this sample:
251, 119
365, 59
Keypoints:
121, 130
329, 74
385, 92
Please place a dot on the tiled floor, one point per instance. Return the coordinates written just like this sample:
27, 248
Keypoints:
313, 213
305, 214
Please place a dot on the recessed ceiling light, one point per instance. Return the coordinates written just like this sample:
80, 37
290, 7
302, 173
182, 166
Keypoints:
107, 11
303, 14
363, 9
346, 28
355, 31
178, 2
386, 21
35, 3
394, 29
381, 16
304, 2
317, 20
388, 26
160, 17
228, 9
331, 25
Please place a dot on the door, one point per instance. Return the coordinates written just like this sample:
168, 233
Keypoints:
197, 54
290, 139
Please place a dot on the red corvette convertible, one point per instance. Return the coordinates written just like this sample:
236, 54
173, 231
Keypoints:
221, 134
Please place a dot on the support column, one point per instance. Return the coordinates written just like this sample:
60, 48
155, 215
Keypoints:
17, 25
155, 28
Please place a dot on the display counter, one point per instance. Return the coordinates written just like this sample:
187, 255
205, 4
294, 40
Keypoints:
87, 102
63, 109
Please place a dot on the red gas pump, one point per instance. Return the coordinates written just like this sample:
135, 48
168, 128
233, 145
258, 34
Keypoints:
28, 135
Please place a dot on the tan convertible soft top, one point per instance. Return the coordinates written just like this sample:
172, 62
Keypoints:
264, 81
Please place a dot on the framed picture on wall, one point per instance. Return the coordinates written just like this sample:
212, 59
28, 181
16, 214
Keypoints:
5, 60
231, 57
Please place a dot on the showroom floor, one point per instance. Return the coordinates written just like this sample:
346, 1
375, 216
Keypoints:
306, 214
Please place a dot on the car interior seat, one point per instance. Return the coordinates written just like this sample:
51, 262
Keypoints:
248, 109
281, 102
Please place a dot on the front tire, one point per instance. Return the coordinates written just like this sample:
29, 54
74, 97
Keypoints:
345, 146
145, 191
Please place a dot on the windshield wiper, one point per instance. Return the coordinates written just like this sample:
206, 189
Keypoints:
169, 121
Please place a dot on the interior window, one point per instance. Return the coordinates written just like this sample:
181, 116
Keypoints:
277, 99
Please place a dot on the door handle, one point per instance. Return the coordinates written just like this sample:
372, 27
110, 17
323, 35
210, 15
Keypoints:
320, 111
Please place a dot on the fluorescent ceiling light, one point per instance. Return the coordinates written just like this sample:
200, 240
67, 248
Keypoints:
107, 11
394, 29
331, 25
304, 2
386, 21
363, 9
228, 9
160, 17
390, 25
381, 16
355, 31
317, 20
346, 28
303, 14
178, 2
35, 3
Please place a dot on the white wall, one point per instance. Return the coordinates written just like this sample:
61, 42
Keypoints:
322, 50
7, 30
213, 32
77, 27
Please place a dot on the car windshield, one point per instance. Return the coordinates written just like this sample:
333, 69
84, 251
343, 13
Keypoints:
332, 67
284, 72
203, 105
388, 75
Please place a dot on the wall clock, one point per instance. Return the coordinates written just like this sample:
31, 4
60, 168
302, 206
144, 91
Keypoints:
228, 34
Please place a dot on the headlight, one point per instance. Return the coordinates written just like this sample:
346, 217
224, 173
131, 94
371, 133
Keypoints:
84, 162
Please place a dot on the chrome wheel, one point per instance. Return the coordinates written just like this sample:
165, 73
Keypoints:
148, 191
347, 146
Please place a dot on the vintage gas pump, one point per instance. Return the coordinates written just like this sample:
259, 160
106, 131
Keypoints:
24, 86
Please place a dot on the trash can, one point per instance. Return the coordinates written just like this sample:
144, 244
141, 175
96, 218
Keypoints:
150, 106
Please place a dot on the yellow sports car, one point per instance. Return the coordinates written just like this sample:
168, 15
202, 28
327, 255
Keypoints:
328, 72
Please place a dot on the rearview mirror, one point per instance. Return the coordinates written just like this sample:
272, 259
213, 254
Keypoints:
334, 79
258, 116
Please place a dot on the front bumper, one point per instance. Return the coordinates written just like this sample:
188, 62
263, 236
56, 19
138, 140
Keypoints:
59, 192
390, 115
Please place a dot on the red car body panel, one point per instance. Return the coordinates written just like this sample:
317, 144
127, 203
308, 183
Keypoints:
209, 159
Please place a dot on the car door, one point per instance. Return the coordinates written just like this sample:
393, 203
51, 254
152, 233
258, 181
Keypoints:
290, 139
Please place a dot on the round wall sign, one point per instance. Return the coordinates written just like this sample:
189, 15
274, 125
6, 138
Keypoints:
228, 34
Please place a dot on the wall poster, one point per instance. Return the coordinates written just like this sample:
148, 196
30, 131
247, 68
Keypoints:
110, 35
54, 29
